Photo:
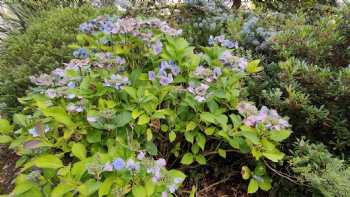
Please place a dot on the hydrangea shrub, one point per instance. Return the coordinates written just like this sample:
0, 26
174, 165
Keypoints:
136, 96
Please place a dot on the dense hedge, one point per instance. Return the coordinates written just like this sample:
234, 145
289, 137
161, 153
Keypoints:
42, 47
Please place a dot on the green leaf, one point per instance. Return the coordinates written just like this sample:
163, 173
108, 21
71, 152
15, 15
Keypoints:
187, 159
22, 187
265, 184
250, 134
89, 187
131, 92
61, 189
143, 119
253, 66
176, 174
149, 135
5, 126
172, 136
222, 120
279, 136
151, 148
253, 186
78, 169
139, 191
48, 161
150, 187
189, 136
20, 119
208, 117
122, 119
245, 172
200, 138
106, 187
4, 139
79, 150
201, 159
222, 153
209, 130
59, 114
274, 156
190, 126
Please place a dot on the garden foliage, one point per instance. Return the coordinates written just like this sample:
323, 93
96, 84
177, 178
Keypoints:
137, 91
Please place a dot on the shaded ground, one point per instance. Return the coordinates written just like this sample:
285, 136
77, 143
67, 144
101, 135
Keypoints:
7, 169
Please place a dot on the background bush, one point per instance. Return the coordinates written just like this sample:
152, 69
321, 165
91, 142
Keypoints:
42, 47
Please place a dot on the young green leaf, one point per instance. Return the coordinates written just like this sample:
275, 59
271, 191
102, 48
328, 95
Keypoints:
253, 186
79, 150
48, 161
187, 159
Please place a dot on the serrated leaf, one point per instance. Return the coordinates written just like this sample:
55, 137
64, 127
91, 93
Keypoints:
209, 130
131, 92
48, 161
253, 186
274, 156
150, 187
189, 136
143, 119
250, 135
190, 126
61, 189
201, 159
279, 136
79, 150
60, 115
208, 117
265, 184
122, 119
187, 159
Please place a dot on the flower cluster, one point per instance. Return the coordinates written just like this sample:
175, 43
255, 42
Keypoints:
198, 91
155, 168
167, 70
133, 26
37, 130
236, 63
207, 74
269, 117
220, 40
81, 53
117, 81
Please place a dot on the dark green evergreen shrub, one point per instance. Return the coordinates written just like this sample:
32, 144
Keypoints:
41, 48
328, 175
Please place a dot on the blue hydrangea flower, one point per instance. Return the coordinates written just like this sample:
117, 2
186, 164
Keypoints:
118, 164
165, 79
157, 47
71, 84
81, 53
34, 132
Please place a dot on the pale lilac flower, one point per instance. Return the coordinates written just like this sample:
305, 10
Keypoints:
157, 47
108, 167
91, 119
217, 72
161, 162
51, 93
164, 194
120, 60
71, 84
70, 96
242, 63
199, 92
151, 75
117, 81
141, 155
165, 79
132, 165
